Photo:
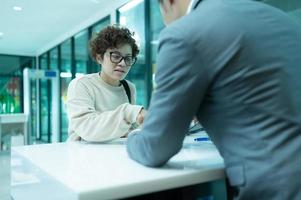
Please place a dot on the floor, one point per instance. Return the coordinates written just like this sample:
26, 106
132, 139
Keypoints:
5, 175
7, 142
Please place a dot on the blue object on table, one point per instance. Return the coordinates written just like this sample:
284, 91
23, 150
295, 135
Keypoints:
200, 139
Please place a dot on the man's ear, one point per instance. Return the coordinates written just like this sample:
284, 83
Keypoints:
172, 2
99, 59
168, 2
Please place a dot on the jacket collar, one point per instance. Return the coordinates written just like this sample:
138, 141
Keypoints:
195, 3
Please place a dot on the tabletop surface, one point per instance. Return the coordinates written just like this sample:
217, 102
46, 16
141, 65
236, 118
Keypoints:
91, 170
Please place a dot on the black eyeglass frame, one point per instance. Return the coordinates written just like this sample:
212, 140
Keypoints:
122, 58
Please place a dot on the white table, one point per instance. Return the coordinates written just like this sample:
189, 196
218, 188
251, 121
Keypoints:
88, 171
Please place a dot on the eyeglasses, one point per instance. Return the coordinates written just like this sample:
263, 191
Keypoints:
116, 58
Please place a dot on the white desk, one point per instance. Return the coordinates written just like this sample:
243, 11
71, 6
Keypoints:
104, 171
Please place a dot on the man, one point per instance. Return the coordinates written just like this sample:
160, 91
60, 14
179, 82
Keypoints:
236, 66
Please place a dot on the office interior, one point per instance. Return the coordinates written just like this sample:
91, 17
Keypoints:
59, 43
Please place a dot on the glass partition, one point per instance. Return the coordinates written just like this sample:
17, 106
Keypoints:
127, 16
94, 67
81, 52
100, 25
65, 76
45, 102
53, 59
156, 25
53, 64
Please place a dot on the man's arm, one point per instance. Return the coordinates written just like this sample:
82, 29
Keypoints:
181, 83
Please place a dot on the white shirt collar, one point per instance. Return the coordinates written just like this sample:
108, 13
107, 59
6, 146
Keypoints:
190, 6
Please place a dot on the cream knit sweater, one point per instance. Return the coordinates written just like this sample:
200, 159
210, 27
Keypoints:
98, 111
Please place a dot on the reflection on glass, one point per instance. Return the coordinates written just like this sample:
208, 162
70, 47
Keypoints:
95, 29
128, 17
53, 59
292, 7
45, 111
9, 94
81, 52
43, 61
53, 64
34, 113
156, 25
65, 80
45, 99
100, 25
11, 80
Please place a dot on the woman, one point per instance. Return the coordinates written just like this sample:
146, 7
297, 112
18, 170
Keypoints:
98, 104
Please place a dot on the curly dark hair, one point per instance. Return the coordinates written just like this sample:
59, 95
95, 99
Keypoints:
111, 37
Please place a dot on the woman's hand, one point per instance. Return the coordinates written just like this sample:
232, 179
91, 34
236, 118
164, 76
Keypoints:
141, 116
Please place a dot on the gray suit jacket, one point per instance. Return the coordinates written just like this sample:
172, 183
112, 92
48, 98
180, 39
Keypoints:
236, 65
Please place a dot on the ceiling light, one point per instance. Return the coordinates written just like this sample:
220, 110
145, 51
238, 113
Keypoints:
1, 34
123, 20
129, 5
79, 74
17, 8
65, 75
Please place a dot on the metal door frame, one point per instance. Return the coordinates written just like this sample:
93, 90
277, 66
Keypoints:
41, 74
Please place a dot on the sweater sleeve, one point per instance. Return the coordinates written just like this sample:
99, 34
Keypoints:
92, 125
133, 92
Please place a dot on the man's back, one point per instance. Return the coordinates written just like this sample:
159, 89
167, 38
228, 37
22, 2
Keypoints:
252, 105
236, 65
